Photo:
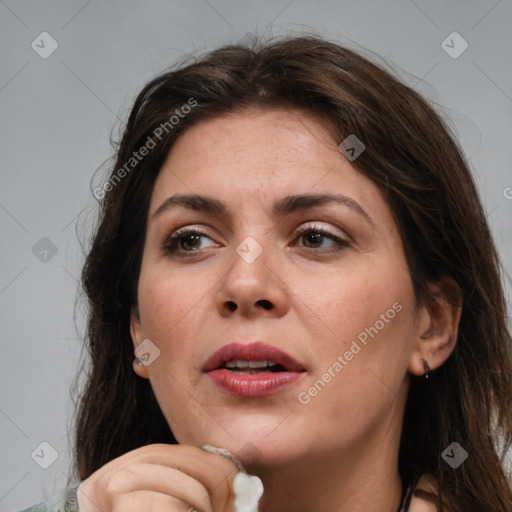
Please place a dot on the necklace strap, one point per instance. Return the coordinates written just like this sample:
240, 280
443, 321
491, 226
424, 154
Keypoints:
415, 473
406, 501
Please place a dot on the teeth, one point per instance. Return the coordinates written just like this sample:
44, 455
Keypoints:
250, 371
260, 364
248, 364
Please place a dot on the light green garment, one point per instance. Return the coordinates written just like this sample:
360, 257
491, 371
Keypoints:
66, 502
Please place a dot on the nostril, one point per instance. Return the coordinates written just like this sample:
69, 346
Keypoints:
231, 306
265, 303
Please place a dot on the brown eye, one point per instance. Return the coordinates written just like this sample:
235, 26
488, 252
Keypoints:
314, 237
184, 241
188, 241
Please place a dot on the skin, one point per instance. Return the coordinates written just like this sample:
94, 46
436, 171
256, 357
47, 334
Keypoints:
339, 451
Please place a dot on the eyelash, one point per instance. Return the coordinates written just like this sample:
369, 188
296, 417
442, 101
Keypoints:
171, 241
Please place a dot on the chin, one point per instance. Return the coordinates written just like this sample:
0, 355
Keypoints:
257, 440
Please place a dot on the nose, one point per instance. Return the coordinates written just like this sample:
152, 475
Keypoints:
253, 288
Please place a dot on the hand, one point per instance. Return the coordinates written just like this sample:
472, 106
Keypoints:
164, 477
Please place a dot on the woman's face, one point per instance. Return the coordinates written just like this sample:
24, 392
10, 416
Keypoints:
326, 282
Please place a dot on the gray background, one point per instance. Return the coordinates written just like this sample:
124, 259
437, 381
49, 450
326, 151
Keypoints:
57, 114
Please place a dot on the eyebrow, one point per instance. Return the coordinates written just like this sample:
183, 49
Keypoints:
284, 206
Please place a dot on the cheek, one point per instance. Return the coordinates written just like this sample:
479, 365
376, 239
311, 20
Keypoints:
367, 302
368, 333
360, 373
373, 334
170, 307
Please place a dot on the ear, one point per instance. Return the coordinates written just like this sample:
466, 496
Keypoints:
438, 324
137, 337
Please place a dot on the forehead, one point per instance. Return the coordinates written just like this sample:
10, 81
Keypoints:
260, 154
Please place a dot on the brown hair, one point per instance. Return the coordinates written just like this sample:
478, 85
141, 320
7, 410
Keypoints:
414, 158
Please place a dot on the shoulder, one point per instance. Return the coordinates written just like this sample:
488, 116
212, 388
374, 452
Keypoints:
65, 502
424, 495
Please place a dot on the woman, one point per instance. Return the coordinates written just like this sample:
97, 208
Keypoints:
292, 263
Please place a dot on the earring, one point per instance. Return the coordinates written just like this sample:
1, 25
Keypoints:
426, 367
138, 362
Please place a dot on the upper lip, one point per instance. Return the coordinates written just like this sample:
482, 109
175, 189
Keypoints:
256, 351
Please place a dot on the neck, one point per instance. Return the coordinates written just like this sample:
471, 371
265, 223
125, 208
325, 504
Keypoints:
362, 478
364, 488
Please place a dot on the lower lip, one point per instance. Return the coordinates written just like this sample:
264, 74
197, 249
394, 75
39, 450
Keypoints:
255, 385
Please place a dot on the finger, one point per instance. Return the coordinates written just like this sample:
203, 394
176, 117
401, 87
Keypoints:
149, 501
215, 473
160, 479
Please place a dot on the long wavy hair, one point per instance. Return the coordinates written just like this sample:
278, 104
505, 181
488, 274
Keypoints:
412, 155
